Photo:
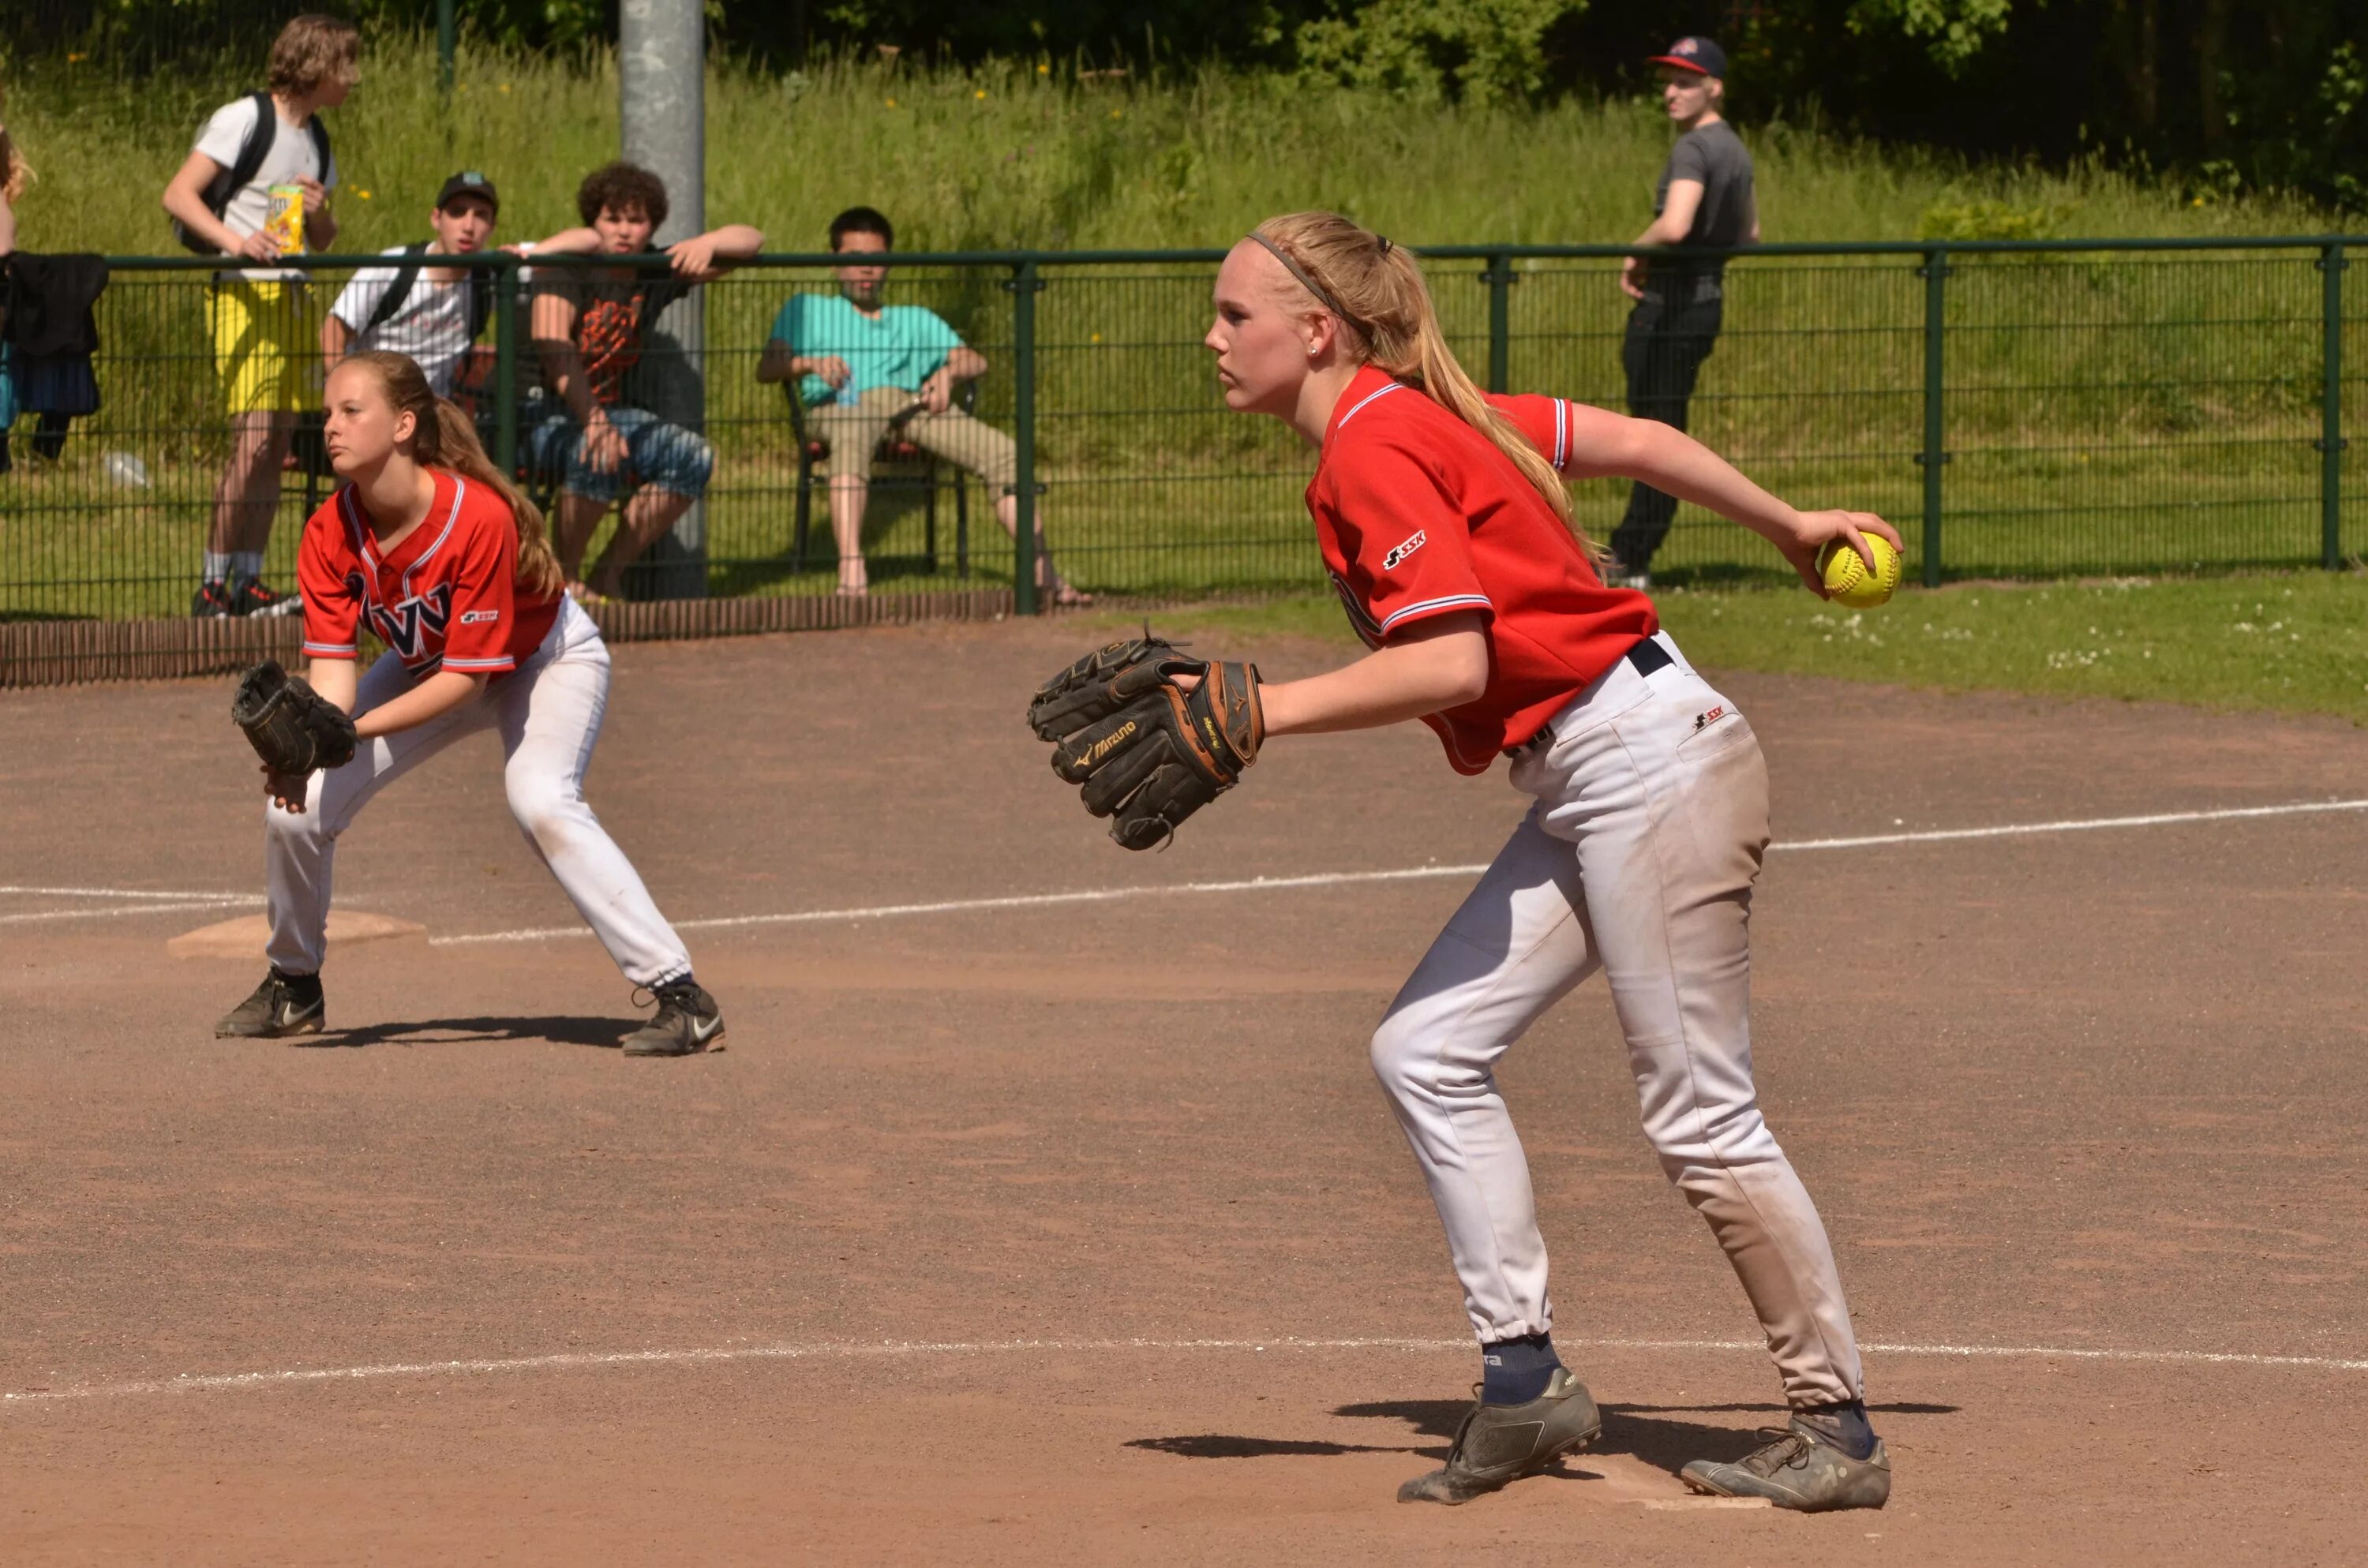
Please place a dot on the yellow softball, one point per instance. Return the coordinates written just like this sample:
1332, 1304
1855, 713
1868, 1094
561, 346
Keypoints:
1846, 578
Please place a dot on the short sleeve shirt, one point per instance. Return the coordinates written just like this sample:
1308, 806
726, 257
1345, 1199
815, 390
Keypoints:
1712, 156
445, 599
291, 156
1419, 514
612, 315
431, 325
901, 346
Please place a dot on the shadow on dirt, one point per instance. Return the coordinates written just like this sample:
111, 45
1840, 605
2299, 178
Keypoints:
608, 1033
1212, 1446
1644, 1432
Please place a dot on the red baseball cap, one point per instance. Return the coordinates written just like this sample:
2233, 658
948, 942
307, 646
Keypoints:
1694, 54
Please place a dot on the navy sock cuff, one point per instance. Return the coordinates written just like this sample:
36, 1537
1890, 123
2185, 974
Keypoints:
1515, 1371
1845, 1426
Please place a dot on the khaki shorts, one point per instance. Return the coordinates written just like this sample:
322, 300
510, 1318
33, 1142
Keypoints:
266, 346
854, 436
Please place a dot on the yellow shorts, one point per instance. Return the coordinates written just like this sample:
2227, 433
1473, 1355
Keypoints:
266, 354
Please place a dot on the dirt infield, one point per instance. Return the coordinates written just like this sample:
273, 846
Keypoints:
941, 1261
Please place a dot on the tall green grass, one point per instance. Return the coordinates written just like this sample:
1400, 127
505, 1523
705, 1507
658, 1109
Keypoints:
1030, 154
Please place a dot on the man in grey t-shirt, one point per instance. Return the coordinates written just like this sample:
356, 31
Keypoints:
1704, 198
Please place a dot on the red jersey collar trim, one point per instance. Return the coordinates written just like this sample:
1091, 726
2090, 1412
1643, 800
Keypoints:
1369, 383
443, 513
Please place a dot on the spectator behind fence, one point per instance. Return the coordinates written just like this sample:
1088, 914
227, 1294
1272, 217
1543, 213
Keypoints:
861, 367
15, 176
1704, 198
257, 186
589, 327
432, 313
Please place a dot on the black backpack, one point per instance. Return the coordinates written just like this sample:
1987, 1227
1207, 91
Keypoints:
251, 153
479, 284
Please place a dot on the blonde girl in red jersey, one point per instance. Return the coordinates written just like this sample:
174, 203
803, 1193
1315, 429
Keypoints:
429, 544
1443, 519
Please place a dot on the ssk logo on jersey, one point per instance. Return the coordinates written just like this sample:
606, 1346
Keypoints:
407, 627
477, 617
1389, 562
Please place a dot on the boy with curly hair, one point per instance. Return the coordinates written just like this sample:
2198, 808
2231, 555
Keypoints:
589, 323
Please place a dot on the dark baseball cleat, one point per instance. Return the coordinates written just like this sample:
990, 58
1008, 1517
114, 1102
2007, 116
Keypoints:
688, 1021
1802, 1470
283, 1005
211, 600
1501, 1443
252, 596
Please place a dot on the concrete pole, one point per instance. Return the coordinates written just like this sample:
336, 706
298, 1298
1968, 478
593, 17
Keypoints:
662, 57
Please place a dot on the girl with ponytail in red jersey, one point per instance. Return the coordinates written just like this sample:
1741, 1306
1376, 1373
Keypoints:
1443, 520
432, 547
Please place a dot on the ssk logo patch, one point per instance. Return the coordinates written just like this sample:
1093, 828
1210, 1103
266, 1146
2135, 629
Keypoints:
478, 616
1389, 562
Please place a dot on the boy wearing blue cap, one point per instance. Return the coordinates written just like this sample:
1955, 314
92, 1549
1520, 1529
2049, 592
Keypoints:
1704, 198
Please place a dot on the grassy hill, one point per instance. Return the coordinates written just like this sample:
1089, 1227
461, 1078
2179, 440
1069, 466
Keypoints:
1026, 153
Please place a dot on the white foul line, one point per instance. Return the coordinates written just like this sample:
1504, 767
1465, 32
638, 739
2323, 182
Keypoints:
117, 911
2011, 830
1410, 873
215, 1382
133, 892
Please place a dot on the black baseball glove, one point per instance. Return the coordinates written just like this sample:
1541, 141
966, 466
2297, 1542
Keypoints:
292, 728
1147, 753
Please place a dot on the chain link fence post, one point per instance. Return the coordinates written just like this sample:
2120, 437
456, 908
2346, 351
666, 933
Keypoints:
1025, 285
1935, 273
504, 281
2331, 263
1500, 278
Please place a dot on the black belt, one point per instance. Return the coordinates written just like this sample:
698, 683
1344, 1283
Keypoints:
1644, 655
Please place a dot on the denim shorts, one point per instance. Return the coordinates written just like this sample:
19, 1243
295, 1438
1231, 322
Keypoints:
659, 455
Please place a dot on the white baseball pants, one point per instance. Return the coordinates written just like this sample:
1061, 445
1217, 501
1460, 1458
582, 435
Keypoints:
1638, 858
548, 716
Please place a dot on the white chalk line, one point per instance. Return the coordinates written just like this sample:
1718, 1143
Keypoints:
1409, 873
217, 1383
119, 911
134, 892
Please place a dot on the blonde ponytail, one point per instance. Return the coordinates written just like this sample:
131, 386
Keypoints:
1377, 290
445, 437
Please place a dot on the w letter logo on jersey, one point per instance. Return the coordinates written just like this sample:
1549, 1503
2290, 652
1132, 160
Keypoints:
1389, 562
406, 627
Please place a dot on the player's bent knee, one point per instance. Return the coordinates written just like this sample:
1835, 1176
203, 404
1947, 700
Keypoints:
545, 814
1400, 1059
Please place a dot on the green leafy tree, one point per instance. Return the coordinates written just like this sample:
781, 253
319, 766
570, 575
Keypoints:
1480, 51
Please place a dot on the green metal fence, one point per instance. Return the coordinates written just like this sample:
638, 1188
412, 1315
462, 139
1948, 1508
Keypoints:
2019, 410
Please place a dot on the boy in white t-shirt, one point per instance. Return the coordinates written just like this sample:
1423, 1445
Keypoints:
441, 309
262, 337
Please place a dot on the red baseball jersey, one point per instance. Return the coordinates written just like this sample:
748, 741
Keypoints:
446, 597
1420, 514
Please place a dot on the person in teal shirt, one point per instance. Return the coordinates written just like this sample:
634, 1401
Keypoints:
862, 366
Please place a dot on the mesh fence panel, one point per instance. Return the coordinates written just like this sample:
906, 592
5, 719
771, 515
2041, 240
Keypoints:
2113, 411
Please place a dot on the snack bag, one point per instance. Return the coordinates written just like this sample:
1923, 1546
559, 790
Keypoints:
286, 223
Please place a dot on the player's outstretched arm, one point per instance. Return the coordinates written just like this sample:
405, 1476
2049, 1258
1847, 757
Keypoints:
429, 698
1606, 445
1436, 664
